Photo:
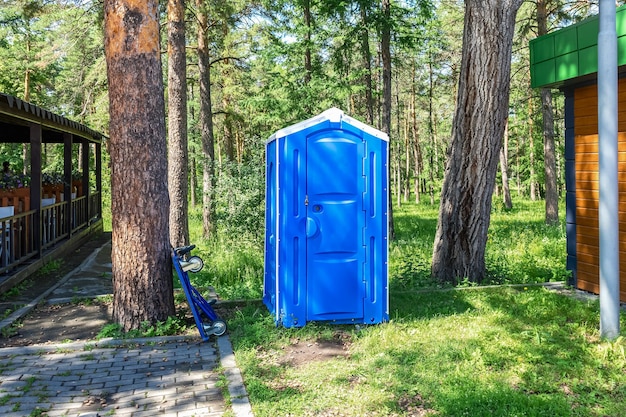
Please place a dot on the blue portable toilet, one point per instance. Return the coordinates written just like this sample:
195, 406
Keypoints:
326, 222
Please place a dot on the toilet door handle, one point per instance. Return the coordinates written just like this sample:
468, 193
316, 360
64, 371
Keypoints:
312, 227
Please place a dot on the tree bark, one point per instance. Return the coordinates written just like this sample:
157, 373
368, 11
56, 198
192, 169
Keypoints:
504, 169
308, 63
398, 185
206, 124
549, 157
407, 161
518, 170
193, 174
417, 151
229, 141
479, 121
177, 124
366, 56
193, 182
142, 274
531, 153
385, 46
27, 73
431, 132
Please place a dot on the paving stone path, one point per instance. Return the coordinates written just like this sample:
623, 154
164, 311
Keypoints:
168, 378
162, 376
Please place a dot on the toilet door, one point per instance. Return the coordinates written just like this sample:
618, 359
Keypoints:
335, 220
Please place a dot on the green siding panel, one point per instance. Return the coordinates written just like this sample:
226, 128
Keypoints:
620, 21
621, 50
566, 66
565, 41
544, 73
572, 51
588, 33
588, 60
543, 48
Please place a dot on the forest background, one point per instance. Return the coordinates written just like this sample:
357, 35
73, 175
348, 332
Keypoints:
274, 63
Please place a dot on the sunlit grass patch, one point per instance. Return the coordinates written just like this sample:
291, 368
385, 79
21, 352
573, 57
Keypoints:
521, 351
520, 247
233, 264
496, 351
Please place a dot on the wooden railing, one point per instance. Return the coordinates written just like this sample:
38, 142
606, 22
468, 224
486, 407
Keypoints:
29, 234
17, 241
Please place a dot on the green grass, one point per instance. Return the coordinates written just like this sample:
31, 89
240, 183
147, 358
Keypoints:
504, 351
51, 266
473, 352
172, 326
521, 249
233, 264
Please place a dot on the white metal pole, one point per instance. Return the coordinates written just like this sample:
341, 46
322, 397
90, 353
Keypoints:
608, 209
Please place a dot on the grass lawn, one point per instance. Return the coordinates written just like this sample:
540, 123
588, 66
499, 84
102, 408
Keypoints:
472, 351
521, 249
522, 351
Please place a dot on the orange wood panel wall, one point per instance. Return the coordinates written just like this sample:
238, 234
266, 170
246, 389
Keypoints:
587, 186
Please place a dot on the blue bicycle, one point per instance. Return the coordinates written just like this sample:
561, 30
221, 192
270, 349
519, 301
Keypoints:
207, 321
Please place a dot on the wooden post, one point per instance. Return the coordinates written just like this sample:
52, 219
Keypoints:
35, 183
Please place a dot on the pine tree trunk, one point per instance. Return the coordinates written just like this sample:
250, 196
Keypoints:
479, 121
308, 63
531, 153
504, 169
407, 161
27, 74
177, 123
366, 56
193, 175
206, 124
398, 186
417, 151
385, 46
549, 157
240, 144
518, 171
193, 182
229, 147
142, 274
431, 132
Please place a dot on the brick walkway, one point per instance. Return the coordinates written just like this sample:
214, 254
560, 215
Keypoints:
167, 378
164, 376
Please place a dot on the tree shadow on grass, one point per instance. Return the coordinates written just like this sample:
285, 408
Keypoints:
542, 347
505, 352
407, 305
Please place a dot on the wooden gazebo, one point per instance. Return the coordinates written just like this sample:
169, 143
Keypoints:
39, 222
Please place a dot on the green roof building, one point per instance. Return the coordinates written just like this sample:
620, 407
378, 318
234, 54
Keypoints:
567, 59
570, 55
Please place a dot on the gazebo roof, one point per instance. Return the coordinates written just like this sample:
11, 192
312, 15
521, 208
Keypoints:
16, 115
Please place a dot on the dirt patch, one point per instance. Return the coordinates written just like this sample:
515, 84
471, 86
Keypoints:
301, 352
53, 323
80, 321
57, 324
414, 406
